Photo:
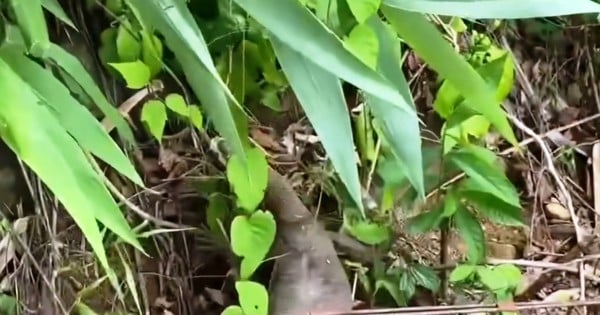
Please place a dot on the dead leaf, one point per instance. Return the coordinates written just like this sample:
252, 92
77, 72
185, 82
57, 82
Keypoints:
557, 211
265, 138
561, 296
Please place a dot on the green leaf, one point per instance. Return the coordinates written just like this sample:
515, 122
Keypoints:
426, 277
425, 222
363, 43
249, 180
184, 38
407, 284
31, 21
301, 31
154, 114
34, 134
254, 298
471, 232
62, 59
176, 103
152, 52
79, 122
428, 43
496, 9
129, 48
400, 128
56, 9
370, 233
136, 73
393, 289
251, 238
486, 176
510, 273
493, 208
321, 96
233, 310
492, 280
363, 9
462, 273
451, 203
217, 211
196, 117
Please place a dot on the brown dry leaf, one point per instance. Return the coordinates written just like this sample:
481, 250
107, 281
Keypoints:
265, 138
172, 163
561, 296
163, 303
557, 211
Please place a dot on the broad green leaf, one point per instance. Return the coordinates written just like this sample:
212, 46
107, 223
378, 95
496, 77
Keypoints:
196, 117
249, 180
251, 238
301, 31
129, 48
31, 21
78, 121
400, 128
370, 233
426, 277
511, 273
496, 9
363, 9
321, 96
233, 310
407, 284
254, 298
9, 304
136, 73
173, 19
83, 309
492, 280
56, 9
451, 204
428, 43
476, 126
462, 273
490, 206
488, 177
37, 138
425, 222
154, 114
62, 59
471, 232
363, 43
176, 103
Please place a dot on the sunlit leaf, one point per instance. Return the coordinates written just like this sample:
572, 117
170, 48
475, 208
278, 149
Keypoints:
56, 9
363, 9
363, 43
496, 9
32, 22
154, 114
249, 180
422, 36
254, 298
129, 48
251, 238
136, 73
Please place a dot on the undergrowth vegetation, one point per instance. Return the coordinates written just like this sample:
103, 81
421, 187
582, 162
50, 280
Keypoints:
215, 69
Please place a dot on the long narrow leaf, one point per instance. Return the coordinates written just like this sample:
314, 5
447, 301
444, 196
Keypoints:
300, 30
56, 9
173, 19
31, 21
497, 9
401, 128
73, 116
322, 99
70, 64
33, 133
429, 44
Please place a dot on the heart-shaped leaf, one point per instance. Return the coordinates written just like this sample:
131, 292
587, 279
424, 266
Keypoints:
154, 115
233, 310
363, 43
196, 117
249, 180
136, 74
363, 9
251, 238
461, 273
254, 298
176, 103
